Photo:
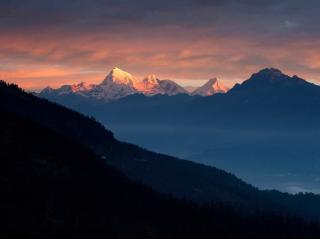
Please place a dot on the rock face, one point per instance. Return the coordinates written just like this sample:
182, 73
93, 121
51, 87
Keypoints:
213, 86
151, 85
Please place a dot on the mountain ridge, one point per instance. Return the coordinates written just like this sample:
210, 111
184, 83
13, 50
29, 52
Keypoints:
213, 86
119, 84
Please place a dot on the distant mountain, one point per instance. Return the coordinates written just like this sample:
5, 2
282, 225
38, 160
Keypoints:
116, 85
119, 84
213, 86
264, 95
270, 86
151, 85
269, 94
80, 89
171, 88
165, 174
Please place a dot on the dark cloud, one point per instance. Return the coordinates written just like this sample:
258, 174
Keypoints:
256, 19
35, 12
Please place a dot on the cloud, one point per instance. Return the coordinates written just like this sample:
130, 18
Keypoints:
187, 39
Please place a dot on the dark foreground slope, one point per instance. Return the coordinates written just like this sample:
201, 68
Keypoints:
165, 174
52, 187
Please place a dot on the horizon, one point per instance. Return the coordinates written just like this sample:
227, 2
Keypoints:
185, 83
55, 43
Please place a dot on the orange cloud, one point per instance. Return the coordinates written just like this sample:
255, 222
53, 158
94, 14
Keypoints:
42, 59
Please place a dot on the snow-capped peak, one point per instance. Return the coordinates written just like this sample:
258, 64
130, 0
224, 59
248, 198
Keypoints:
82, 86
172, 88
211, 87
149, 85
118, 84
119, 76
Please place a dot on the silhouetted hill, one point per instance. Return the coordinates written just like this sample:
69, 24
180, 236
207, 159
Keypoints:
52, 187
272, 90
272, 82
165, 173
65, 121
182, 179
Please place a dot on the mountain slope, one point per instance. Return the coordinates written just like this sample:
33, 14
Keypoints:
52, 187
183, 179
117, 84
127, 157
171, 88
270, 86
213, 86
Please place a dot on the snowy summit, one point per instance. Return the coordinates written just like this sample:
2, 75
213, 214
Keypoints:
118, 84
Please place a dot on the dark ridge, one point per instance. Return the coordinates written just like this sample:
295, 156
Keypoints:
52, 187
67, 122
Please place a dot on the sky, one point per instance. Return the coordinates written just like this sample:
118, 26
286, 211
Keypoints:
55, 42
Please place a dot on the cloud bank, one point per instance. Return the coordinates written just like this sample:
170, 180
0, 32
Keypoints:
55, 42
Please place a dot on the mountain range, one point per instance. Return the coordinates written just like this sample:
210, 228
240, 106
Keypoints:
270, 121
119, 84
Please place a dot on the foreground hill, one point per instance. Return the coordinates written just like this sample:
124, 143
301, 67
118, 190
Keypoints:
182, 179
52, 187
